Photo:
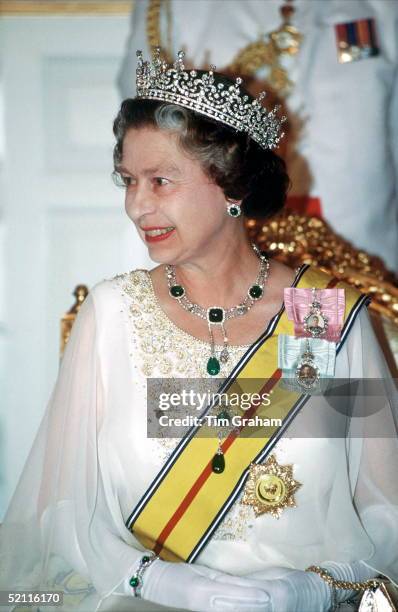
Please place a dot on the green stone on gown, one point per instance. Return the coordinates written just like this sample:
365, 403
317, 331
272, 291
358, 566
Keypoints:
213, 366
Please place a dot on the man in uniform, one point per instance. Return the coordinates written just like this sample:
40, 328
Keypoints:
339, 86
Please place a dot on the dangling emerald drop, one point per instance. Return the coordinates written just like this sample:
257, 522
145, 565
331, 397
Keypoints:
213, 366
218, 463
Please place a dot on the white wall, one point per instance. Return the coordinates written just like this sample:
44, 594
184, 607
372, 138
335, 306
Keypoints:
62, 220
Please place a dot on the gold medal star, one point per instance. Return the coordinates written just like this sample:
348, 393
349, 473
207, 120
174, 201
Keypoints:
270, 488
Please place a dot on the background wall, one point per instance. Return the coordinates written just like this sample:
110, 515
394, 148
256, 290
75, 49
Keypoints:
62, 220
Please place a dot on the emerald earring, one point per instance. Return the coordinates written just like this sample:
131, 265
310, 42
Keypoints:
234, 209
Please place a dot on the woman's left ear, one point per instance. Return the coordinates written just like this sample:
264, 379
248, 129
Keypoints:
234, 207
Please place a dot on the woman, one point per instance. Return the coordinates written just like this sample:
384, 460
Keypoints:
118, 520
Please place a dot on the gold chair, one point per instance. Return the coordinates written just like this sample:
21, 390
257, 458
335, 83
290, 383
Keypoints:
80, 293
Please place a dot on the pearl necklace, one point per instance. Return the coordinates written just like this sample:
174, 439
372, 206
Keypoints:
216, 315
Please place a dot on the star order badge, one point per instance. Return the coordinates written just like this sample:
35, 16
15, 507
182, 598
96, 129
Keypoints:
270, 488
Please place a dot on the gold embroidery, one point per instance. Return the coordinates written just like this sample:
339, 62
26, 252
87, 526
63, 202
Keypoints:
163, 347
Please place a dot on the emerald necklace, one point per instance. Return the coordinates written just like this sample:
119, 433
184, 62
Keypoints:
216, 315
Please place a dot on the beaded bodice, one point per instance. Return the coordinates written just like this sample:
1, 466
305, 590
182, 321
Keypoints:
162, 347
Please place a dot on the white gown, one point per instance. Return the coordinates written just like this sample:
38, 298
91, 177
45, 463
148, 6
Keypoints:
92, 461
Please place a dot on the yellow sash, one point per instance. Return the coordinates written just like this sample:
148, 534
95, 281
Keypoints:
183, 505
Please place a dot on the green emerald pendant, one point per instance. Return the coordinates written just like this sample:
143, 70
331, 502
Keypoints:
213, 366
218, 463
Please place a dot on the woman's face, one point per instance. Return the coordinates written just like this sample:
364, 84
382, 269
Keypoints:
168, 191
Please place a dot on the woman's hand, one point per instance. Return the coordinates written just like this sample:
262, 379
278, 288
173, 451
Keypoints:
293, 590
194, 587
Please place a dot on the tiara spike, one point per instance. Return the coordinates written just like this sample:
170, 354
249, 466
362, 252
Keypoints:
179, 63
221, 102
139, 59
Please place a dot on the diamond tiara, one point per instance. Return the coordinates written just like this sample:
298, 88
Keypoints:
158, 80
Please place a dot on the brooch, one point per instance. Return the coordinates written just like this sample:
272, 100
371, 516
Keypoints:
270, 488
307, 364
316, 313
315, 322
307, 372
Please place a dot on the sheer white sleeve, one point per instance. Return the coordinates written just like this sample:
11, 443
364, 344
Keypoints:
372, 449
59, 531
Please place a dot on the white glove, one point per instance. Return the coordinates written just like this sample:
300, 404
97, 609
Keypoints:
198, 588
300, 591
297, 591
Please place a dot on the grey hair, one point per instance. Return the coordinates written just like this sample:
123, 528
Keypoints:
172, 117
176, 119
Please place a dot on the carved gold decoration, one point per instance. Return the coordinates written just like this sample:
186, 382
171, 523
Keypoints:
53, 7
270, 488
296, 239
80, 293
